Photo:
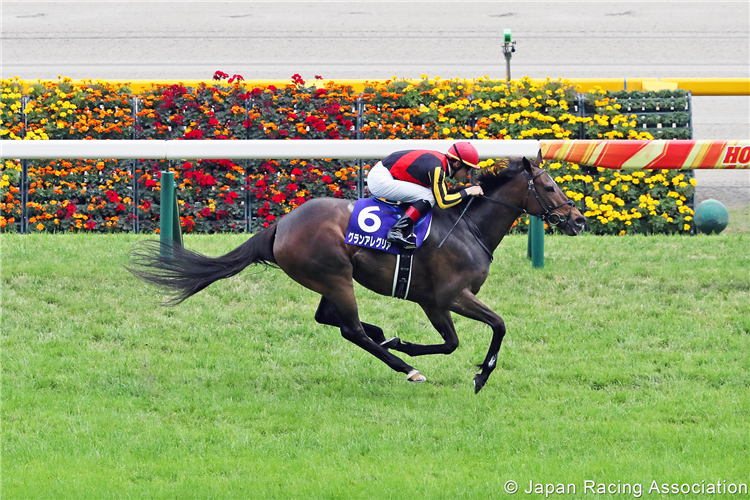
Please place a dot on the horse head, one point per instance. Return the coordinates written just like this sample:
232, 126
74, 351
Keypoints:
548, 202
529, 188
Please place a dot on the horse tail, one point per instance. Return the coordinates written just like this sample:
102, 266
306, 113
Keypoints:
183, 273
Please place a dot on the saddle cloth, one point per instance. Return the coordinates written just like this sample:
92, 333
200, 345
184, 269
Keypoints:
371, 220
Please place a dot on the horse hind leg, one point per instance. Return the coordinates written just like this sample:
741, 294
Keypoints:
345, 305
327, 315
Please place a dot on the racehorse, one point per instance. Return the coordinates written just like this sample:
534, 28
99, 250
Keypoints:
448, 270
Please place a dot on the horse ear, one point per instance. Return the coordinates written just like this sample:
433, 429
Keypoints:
539, 159
526, 164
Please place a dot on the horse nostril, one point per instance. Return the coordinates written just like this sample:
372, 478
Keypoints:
580, 220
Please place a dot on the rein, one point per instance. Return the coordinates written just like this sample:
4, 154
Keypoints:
473, 229
457, 221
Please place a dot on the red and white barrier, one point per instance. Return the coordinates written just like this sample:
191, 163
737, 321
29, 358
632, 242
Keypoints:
625, 155
656, 154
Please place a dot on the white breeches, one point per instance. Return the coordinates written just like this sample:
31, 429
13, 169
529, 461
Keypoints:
381, 184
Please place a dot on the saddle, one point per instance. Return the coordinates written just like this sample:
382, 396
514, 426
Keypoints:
368, 226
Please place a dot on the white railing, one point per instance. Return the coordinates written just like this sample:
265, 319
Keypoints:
251, 149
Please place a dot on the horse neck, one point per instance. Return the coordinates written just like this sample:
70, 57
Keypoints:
494, 220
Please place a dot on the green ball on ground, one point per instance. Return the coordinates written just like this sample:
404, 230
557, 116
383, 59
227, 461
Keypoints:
711, 217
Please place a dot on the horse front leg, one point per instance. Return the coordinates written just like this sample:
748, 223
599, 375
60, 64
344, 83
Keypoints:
443, 323
467, 305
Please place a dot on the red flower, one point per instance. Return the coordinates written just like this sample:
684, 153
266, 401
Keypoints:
296, 171
90, 225
297, 79
292, 187
271, 218
318, 77
327, 179
236, 78
220, 75
150, 183
205, 179
279, 198
206, 212
194, 134
231, 196
213, 122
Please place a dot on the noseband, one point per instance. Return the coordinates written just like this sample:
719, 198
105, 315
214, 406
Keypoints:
547, 214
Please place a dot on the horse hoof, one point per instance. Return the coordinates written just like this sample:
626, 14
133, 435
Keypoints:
391, 343
415, 376
478, 383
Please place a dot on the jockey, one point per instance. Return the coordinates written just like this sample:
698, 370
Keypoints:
418, 177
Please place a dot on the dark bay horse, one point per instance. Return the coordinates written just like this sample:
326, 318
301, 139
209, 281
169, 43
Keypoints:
308, 245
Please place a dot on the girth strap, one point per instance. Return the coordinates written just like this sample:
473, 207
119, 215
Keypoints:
402, 276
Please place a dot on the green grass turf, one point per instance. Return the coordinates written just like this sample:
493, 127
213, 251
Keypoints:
739, 219
626, 360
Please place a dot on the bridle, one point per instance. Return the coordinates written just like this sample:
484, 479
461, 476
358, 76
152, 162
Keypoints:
547, 214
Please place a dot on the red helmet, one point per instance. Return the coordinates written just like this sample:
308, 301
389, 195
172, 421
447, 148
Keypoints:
465, 153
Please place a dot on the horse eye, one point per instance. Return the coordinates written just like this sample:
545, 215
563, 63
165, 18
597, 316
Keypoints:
550, 189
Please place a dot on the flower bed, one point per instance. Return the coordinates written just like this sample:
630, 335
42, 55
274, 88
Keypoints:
223, 195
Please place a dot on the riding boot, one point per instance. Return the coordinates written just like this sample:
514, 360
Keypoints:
402, 231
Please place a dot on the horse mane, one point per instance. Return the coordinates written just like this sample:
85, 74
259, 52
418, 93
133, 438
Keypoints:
500, 173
